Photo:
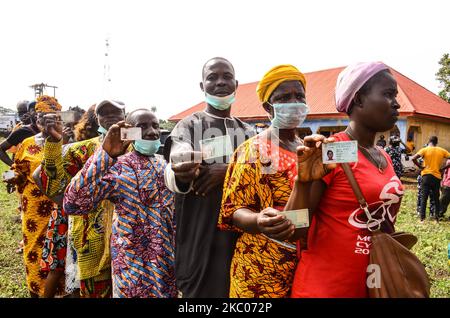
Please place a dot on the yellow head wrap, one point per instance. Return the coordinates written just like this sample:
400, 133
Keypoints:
277, 75
47, 104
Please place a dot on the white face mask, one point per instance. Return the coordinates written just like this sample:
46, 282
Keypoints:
289, 115
147, 147
219, 102
102, 130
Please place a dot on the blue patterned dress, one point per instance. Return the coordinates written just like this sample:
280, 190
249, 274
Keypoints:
143, 234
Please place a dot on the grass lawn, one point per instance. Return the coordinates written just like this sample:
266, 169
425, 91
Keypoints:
12, 271
431, 248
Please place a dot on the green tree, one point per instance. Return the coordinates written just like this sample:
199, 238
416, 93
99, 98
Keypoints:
443, 76
165, 124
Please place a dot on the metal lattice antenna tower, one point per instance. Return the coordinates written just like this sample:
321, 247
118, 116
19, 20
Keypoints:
40, 88
106, 69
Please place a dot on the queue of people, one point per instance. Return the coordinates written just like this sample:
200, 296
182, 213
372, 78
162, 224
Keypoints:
106, 216
433, 173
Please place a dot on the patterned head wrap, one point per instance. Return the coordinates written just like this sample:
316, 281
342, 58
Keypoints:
47, 104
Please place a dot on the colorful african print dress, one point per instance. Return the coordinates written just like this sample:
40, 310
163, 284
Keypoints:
89, 234
55, 244
36, 208
260, 175
143, 235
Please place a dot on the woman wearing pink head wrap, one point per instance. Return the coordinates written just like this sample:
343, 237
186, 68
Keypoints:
351, 80
336, 259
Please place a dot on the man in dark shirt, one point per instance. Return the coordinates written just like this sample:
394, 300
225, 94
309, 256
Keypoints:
18, 135
203, 253
22, 112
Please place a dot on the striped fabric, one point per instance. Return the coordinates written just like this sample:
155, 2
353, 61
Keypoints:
143, 234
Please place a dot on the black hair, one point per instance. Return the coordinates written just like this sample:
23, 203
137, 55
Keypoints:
88, 119
77, 109
434, 140
367, 87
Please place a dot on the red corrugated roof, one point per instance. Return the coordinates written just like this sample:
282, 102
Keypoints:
412, 97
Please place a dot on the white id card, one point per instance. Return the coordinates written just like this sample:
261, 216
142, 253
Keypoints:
216, 147
67, 117
189, 156
8, 175
340, 152
300, 218
133, 133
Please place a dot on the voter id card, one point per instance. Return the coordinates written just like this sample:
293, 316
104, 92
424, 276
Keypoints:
216, 147
340, 152
188, 156
8, 175
67, 117
300, 218
133, 133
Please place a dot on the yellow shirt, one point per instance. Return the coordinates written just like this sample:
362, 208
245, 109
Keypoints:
432, 160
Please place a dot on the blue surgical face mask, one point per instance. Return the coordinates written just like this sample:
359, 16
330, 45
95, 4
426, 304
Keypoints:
289, 115
219, 102
147, 147
102, 130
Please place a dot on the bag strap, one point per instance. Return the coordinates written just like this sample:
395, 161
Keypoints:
372, 224
354, 184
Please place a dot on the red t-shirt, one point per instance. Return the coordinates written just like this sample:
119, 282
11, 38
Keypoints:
335, 263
